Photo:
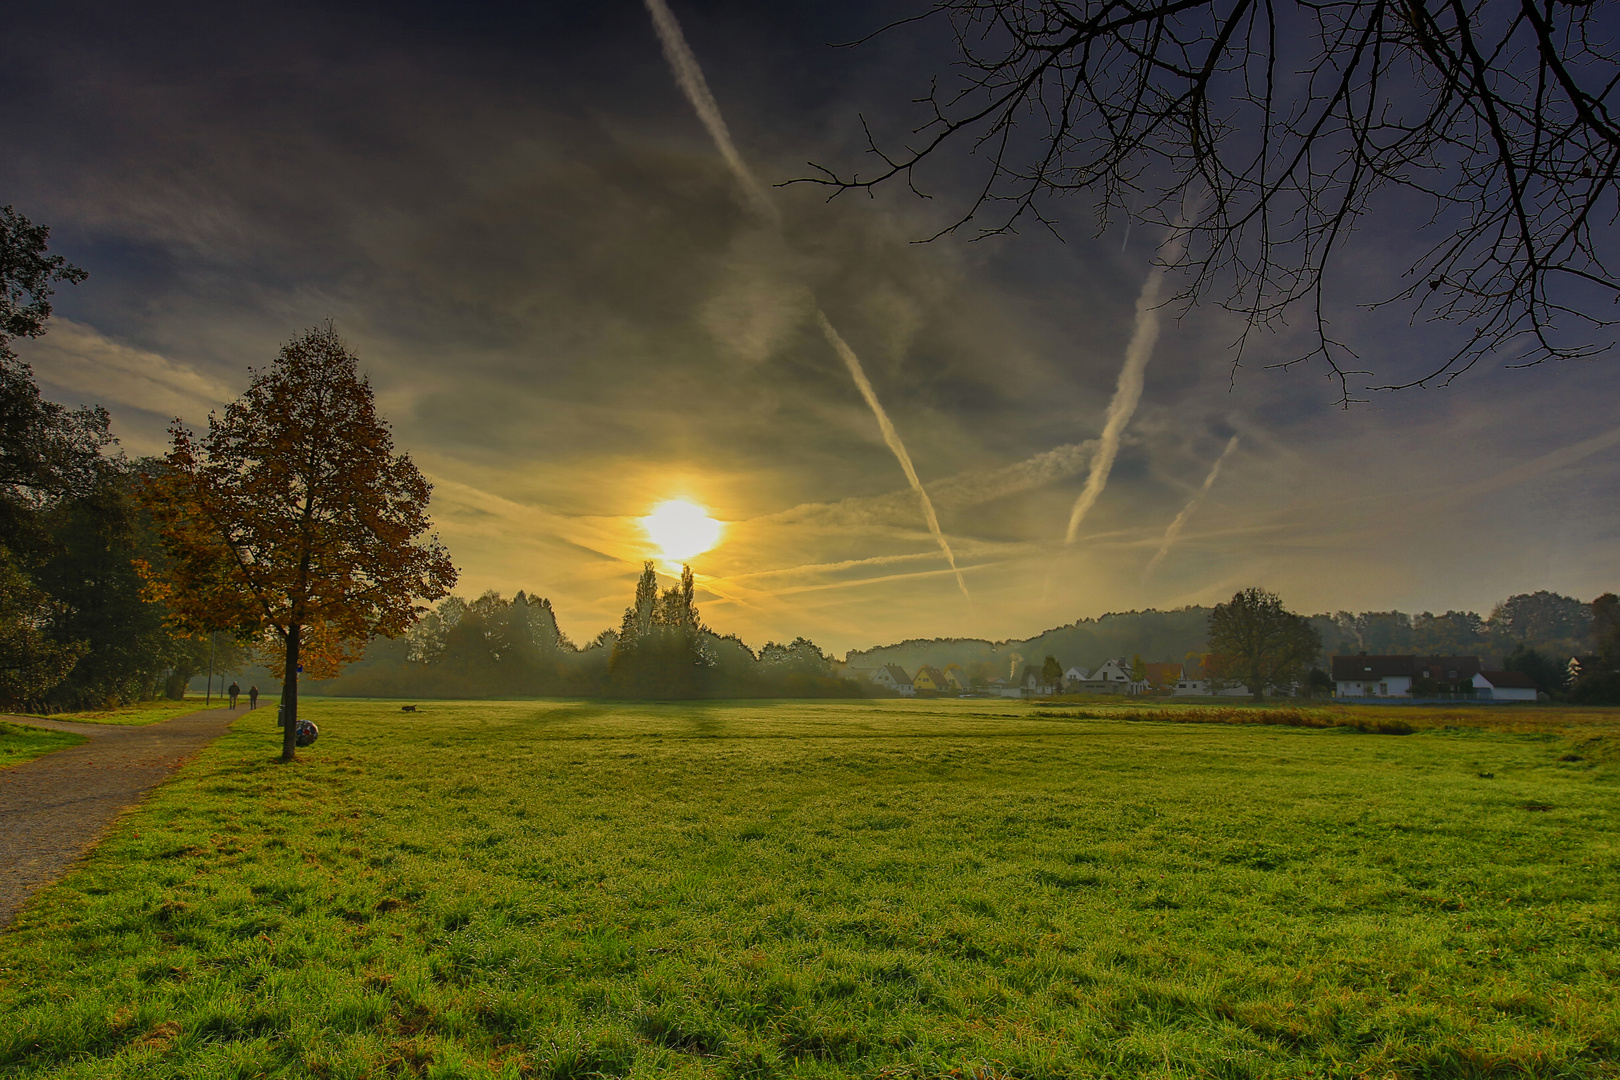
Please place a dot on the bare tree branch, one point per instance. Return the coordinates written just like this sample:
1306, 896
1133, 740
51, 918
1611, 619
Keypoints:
1287, 120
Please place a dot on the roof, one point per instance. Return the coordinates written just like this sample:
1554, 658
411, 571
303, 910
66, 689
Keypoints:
1508, 680
897, 673
1162, 672
1362, 666
1440, 668
931, 673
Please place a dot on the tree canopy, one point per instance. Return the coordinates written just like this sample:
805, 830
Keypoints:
294, 521
1260, 642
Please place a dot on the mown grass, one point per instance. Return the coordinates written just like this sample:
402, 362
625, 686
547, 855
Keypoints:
20, 743
894, 889
146, 712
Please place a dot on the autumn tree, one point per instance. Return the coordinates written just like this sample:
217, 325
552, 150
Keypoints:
1051, 671
293, 520
1262, 643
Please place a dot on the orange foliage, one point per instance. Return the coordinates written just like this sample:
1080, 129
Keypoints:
293, 521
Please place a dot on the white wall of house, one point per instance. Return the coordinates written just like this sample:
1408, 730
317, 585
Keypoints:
1389, 686
1503, 693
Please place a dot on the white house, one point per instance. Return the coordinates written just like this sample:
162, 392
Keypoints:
1504, 686
895, 678
1394, 676
1113, 670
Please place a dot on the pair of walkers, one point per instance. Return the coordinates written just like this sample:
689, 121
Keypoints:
253, 695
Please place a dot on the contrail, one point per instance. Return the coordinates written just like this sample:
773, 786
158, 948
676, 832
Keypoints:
890, 436
1128, 392
689, 77
1180, 522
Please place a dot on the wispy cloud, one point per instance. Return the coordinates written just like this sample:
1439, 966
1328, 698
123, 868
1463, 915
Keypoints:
78, 358
1174, 531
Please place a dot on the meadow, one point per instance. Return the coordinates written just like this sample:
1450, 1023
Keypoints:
876, 889
20, 743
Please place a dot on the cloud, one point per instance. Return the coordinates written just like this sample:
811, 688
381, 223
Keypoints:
92, 367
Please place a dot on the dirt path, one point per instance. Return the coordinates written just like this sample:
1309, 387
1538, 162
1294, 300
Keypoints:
55, 808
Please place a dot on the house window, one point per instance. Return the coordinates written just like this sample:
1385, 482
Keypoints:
1383, 689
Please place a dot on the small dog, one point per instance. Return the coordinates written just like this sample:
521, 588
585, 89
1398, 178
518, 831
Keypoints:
407, 708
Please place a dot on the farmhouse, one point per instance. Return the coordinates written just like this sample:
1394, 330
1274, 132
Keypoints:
1403, 676
955, 676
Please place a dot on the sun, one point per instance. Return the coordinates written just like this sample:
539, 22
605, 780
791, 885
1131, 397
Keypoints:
681, 529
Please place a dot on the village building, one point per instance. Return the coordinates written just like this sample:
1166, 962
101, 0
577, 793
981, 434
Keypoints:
930, 680
956, 676
1404, 676
1034, 684
893, 677
1504, 686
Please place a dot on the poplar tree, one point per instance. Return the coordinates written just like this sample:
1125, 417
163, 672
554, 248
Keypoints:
294, 522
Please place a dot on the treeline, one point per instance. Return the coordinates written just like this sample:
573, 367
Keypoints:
76, 629
495, 647
1551, 626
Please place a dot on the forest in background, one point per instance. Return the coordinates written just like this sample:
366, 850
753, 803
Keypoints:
1548, 625
498, 647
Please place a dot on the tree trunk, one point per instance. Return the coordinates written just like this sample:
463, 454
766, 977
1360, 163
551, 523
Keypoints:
1257, 686
289, 698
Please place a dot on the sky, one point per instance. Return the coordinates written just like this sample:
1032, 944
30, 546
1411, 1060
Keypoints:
573, 308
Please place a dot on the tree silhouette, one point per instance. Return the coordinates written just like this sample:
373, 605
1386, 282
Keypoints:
1260, 642
293, 520
1263, 132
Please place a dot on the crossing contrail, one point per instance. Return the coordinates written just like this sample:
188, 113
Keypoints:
1128, 391
892, 437
689, 77
1180, 522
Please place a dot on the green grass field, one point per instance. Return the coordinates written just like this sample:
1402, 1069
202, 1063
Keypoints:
19, 742
874, 889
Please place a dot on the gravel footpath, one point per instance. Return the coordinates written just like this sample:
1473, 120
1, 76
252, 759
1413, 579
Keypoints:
55, 808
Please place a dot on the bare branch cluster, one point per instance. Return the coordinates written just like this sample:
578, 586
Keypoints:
1279, 122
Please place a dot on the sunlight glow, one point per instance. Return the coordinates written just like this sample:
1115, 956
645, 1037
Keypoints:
681, 529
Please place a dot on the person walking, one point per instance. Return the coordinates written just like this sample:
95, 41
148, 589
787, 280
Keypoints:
253, 697
233, 691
